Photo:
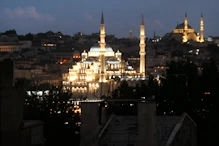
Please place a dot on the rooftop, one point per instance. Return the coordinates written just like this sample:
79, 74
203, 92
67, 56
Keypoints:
32, 123
123, 130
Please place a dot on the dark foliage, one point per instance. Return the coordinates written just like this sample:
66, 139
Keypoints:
57, 112
185, 88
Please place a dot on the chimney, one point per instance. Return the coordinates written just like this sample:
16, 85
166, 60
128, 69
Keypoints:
147, 123
91, 119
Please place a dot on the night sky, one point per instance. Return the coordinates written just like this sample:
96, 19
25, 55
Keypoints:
71, 16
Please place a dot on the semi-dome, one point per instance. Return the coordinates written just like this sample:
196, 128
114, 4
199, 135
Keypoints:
113, 61
95, 50
89, 61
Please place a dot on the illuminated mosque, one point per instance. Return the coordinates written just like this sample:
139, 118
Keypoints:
100, 67
184, 32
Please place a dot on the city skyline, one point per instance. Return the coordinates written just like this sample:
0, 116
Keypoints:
84, 16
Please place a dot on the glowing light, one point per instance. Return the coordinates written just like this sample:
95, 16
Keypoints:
131, 104
207, 93
89, 79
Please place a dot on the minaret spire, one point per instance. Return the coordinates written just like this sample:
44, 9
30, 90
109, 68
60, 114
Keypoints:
186, 22
102, 18
201, 29
102, 50
185, 38
142, 19
142, 48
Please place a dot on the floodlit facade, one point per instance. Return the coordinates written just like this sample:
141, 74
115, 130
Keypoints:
99, 69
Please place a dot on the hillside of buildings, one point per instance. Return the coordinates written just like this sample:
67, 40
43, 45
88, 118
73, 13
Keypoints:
182, 77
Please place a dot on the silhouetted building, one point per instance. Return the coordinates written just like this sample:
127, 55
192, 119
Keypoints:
142, 129
15, 131
11, 104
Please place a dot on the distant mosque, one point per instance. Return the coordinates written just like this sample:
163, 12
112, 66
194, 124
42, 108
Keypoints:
184, 32
98, 69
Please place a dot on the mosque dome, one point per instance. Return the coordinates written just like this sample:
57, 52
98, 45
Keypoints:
89, 61
95, 50
118, 52
84, 53
76, 52
112, 61
181, 26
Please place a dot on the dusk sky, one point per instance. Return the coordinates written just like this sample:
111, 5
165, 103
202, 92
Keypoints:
71, 16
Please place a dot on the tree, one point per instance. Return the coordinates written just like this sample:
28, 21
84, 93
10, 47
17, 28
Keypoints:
10, 32
55, 109
125, 92
196, 94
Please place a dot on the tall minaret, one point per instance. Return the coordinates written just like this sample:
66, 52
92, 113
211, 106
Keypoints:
142, 47
201, 29
186, 22
154, 37
185, 39
102, 49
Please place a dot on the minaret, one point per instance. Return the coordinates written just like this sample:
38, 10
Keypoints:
154, 35
142, 47
102, 49
186, 22
185, 39
201, 29
130, 34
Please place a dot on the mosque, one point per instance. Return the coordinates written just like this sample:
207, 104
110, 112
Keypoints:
184, 32
96, 74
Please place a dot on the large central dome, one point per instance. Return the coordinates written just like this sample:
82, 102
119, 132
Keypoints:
95, 51
181, 26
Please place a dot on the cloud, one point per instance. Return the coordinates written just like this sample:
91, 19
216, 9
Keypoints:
158, 24
26, 13
153, 24
89, 18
